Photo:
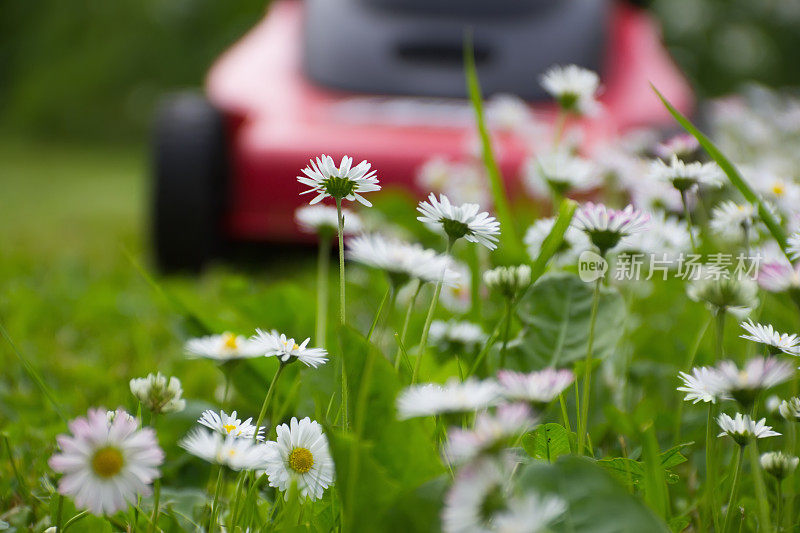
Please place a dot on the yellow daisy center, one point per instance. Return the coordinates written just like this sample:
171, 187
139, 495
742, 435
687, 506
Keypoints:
778, 189
301, 460
228, 427
107, 462
229, 341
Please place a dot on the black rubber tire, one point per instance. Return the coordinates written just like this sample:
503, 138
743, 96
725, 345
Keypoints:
190, 169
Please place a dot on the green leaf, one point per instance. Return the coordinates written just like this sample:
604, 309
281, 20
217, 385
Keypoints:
554, 239
508, 232
733, 174
556, 312
596, 503
549, 442
631, 472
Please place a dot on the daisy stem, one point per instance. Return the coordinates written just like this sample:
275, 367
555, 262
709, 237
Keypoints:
688, 215
341, 260
267, 399
711, 468
720, 326
737, 474
564, 414
778, 503
689, 362
760, 487
58, 513
506, 333
423, 342
323, 266
583, 413
558, 130
379, 312
156, 498
212, 519
406, 321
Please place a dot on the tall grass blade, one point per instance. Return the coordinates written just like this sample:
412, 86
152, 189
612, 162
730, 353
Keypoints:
555, 238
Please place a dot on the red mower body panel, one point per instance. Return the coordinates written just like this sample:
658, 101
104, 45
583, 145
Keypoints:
277, 120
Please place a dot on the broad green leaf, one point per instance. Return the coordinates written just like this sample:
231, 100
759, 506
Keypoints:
556, 312
548, 442
554, 239
733, 174
631, 472
508, 233
596, 503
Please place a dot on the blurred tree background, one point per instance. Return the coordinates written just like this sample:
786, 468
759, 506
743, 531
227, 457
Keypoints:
93, 69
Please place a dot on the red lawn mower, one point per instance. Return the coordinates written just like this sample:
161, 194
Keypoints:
381, 80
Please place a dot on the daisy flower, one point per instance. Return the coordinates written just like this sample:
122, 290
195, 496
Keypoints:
683, 146
509, 113
793, 245
453, 397
458, 298
460, 221
235, 453
324, 220
456, 336
159, 394
227, 424
561, 172
478, 490
778, 276
666, 237
462, 182
573, 87
790, 409
112, 415
491, 433
402, 261
508, 281
758, 374
346, 181
721, 294
273, 344
106, 465
300, 455
765, 334
538, 388
778, 464
742, 427
704, 385
575, 241
733, 221
687, 176
225, 347
530, 513
606, 227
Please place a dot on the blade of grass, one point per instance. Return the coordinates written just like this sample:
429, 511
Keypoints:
34, 375
730, 170
554, 239
508, 232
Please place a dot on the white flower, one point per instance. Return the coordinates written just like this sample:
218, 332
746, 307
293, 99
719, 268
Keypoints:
793, 245
300, 455
790, 409
223, 347
779, 464
478, 490
112, 415
227, 424
704, 385
106, 465
159, 394
529, 513
666, 238
460, 221
733, 221
778, 276
687, 176
784, 193
458, 298
489, 433
346, 181
235, 453
273, 344
742, 427
453, 335
540, 387
721, 294
507, 112
462, 182
324, 219
765, 334
682, 146
573, 87
575, 241
560, 171
508, 281
605, 226
402, 261
759, 373
453, 397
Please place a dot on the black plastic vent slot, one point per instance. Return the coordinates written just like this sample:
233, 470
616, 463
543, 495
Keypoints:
439, 54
